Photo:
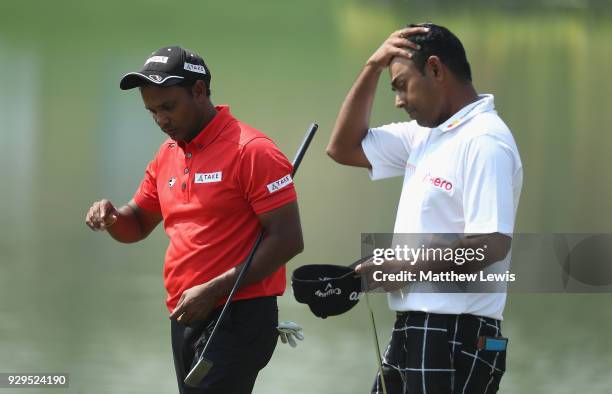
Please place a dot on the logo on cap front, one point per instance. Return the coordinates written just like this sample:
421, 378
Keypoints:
328, 291
157, 59
155, 78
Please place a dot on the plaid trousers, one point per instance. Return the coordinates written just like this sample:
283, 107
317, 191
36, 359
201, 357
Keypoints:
438, 354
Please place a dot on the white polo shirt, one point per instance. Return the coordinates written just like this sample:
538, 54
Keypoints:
464, 176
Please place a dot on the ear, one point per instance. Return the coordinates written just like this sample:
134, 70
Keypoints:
199, 90
435, 66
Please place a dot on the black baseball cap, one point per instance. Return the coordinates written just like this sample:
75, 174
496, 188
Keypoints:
328, 290
166, 67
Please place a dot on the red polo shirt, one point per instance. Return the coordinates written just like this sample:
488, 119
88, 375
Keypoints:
209, 192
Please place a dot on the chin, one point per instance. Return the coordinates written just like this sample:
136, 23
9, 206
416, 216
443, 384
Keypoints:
420, 122
426, 123
175, 137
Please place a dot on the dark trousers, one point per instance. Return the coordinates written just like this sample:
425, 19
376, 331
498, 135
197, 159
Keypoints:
438, 354
242, 346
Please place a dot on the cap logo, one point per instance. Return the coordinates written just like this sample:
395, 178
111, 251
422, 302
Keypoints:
157, 59
328, 291
155, 78
354, 296
196, 68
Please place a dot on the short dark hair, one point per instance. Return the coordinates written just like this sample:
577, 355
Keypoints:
188, 84
440, 42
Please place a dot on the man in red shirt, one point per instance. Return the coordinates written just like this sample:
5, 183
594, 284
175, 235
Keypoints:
215, 184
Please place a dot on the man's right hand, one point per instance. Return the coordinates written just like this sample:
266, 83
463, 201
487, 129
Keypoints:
101, 215
396, 45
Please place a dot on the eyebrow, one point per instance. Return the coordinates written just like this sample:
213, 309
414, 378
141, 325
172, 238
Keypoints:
164, 104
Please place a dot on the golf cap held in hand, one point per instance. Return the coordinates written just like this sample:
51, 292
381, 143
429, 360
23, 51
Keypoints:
166, 67
328, 290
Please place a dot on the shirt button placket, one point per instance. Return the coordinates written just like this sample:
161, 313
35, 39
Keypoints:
188, 156
185, 192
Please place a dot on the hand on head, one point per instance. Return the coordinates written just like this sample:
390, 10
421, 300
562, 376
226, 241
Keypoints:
397, 44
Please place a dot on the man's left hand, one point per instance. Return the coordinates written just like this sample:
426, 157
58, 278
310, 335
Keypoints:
195, 304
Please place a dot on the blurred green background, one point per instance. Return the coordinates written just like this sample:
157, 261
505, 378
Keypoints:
74, 301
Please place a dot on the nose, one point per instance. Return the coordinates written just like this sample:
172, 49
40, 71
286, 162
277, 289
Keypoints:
162, 121
399, 101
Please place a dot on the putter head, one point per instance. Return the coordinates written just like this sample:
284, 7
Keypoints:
197, 373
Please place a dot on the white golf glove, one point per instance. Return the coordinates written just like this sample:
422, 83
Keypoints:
288, 331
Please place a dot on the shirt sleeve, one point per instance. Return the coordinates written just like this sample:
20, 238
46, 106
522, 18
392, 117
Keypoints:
146, 196
488, 198
387, 149
265, 176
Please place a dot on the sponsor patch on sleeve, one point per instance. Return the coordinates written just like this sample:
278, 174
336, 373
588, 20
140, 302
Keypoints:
279, 184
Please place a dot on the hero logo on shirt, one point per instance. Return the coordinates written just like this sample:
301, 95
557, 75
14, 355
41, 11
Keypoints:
208, 177
438, 182
279, 184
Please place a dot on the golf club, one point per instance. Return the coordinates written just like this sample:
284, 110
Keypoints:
376, 345
199, 371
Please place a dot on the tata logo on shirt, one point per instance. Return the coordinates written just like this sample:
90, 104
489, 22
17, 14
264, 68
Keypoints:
438, 182
208, 177
279, 184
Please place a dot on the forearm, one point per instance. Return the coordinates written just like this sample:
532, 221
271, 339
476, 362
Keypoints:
354, 117
127, 228
487, 249
282, 241
472, 254
273, 252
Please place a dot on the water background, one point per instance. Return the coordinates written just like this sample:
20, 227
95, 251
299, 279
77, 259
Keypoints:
75, 301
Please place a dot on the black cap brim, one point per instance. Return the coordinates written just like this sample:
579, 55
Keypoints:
136, 79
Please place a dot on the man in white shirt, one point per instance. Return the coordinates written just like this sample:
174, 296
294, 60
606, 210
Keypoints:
462, 175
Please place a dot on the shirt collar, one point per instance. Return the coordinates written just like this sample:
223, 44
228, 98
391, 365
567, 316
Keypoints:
208, 134
485, 103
